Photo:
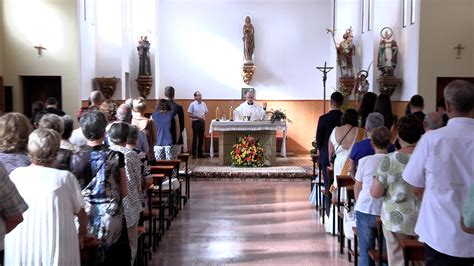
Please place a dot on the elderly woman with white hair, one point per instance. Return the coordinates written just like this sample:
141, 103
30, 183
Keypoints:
66, 149
48, 234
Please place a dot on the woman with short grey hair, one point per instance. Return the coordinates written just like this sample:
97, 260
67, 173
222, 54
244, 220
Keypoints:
14, 131
54, 198
52, 121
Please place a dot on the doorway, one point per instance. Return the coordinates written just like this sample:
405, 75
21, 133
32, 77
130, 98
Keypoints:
40, 88
441, 83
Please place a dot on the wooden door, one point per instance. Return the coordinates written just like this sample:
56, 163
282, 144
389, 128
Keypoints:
40, 88
441, 83
2, 96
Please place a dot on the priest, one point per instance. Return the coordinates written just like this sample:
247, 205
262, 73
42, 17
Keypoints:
250, 109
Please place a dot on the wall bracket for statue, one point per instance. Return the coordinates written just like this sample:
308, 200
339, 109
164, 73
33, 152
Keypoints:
247, 73
144, 85
346, 84
107, 86
388, 84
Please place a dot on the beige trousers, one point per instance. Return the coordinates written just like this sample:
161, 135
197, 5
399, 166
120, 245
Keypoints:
133, 241
394, 247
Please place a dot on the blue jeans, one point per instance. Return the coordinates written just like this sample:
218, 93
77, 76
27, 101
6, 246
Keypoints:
367, 233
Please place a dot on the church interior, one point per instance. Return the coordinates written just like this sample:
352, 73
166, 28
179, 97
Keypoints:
270, 73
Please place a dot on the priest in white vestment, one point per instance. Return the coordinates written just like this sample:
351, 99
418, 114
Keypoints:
250, 108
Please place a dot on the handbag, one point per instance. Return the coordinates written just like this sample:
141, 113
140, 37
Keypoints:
333, 156
348, 223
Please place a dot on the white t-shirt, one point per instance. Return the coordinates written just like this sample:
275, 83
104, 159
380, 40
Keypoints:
197, 109
77, 138
443, 164
365, 174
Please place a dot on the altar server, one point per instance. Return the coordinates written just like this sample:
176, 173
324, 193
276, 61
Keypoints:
197, 111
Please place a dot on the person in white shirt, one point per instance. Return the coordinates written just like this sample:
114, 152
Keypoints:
368, 208
250, 109
442, 164
197, 111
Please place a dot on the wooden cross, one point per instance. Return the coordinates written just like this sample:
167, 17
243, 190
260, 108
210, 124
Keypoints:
459, 48
325, 69
40, 49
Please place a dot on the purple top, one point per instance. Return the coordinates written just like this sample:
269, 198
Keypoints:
11, 161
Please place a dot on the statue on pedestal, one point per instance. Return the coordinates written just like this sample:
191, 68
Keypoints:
388, 53
387, 62
249, 40
144, 66
144, 79
345, 52
248, 69
361, 85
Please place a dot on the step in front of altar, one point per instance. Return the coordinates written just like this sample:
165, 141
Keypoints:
274, 172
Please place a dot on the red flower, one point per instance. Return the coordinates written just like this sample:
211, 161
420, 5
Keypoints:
248, 158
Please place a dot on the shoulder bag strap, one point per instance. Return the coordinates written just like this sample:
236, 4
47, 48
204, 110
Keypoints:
359, 137
339, 143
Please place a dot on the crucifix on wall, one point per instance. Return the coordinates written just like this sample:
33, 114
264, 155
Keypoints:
459, 48
40, 49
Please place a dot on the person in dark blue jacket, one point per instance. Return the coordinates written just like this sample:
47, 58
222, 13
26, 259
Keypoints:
326, 124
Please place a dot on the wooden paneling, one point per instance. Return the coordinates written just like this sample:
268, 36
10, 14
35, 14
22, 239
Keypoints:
304, 115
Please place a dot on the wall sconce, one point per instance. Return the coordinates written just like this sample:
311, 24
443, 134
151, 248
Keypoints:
40, 49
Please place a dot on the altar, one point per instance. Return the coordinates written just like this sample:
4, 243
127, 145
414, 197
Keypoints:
264, 131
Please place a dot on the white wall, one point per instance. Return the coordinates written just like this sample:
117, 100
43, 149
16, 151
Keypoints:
201, 47
444, 24
109, 30
2, 38
408, 63
118, 27
52, 24
86, 20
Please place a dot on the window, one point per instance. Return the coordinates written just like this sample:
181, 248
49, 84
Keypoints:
413, 11
405, 9
363, 15
369, 15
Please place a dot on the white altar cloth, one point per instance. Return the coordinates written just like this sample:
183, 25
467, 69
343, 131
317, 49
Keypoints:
248, 126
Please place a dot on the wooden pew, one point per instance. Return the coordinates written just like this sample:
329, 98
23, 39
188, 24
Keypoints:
184, 157
151, 215
343, 181
176, 193
413, 250
163, 200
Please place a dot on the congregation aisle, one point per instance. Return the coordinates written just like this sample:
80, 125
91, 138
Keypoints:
248, 223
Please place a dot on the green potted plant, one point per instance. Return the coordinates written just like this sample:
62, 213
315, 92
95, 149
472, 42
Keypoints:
277, 115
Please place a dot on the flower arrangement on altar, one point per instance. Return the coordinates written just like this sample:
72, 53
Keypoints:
277, 115
248, 152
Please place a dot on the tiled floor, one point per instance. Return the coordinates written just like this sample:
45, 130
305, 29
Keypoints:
248, 223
